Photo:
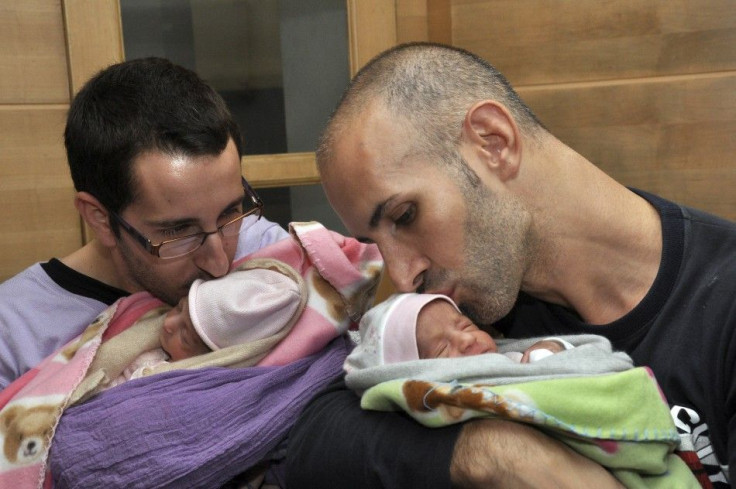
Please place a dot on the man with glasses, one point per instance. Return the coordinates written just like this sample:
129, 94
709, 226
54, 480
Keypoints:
189, 243
154, 155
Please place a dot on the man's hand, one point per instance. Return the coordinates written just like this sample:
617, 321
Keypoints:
493, 453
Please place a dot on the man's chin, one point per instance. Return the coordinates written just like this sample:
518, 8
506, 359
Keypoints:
172, 297
481, 314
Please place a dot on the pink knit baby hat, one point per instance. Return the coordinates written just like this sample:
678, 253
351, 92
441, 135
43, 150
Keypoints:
400, 333
243, 306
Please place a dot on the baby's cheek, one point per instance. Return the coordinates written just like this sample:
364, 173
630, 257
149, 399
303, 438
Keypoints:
165, 343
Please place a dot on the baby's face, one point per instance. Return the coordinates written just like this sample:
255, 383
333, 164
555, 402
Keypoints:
443, 332
178, 337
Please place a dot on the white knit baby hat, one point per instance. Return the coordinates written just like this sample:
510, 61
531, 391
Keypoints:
388, 331
243, 306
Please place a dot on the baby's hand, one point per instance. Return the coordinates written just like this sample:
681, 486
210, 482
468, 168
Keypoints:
549, 346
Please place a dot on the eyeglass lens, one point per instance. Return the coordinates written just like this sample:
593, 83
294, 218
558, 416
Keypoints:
179, 247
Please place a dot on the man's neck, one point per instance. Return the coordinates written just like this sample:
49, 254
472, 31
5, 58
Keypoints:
598, 255
95, 261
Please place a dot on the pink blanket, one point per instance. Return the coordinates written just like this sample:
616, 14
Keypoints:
31, 406
342, 275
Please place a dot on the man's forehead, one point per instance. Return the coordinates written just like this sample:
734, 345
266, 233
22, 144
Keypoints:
163, 183
174, 167
370, 164
356, 191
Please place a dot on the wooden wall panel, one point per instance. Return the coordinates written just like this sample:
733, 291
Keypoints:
94, 40
439, 21
673, 137
38, 217
546, 41
32, 54
412, 21
280, 170
423, 20
33, 143
49, 48
645, 89
371, 29
94, 37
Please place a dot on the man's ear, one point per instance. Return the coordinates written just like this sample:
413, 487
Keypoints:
96, 216
494, 137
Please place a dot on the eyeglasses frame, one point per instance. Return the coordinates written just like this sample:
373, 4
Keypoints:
154, 248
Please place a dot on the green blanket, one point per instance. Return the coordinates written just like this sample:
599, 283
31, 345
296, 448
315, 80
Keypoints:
620, 419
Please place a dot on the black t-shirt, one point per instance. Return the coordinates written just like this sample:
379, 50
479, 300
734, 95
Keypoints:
80, 284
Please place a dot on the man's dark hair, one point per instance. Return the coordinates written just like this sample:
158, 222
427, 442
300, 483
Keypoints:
141, 105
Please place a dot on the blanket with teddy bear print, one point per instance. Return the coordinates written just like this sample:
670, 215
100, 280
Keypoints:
341, 276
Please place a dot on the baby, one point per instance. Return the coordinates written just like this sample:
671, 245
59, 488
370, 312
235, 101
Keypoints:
591, 397
409, 327
242, 307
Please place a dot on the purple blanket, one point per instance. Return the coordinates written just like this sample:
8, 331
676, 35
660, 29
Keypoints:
187, 428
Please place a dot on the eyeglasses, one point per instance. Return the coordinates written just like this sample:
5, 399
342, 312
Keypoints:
183, 245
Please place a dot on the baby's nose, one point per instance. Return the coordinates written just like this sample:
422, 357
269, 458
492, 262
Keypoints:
168, 325
465, 341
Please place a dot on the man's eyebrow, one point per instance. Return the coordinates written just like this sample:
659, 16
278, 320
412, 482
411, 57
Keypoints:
237, 202
377, 215
379, 212
172, 223
189, 221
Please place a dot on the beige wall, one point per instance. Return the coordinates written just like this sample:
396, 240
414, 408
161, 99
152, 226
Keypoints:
646, 89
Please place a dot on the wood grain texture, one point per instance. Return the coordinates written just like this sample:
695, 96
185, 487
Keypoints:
411, 21
280, 170
670, 136
645, 89
423, 20
94, 37
50, 48
38, 217
32, 53
439, 21
371, 29
555, 41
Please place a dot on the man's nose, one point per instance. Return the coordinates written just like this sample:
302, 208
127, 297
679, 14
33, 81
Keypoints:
405, 266
212, 257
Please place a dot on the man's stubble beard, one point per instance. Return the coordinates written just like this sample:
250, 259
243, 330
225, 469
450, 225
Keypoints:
497, 249
145, 278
